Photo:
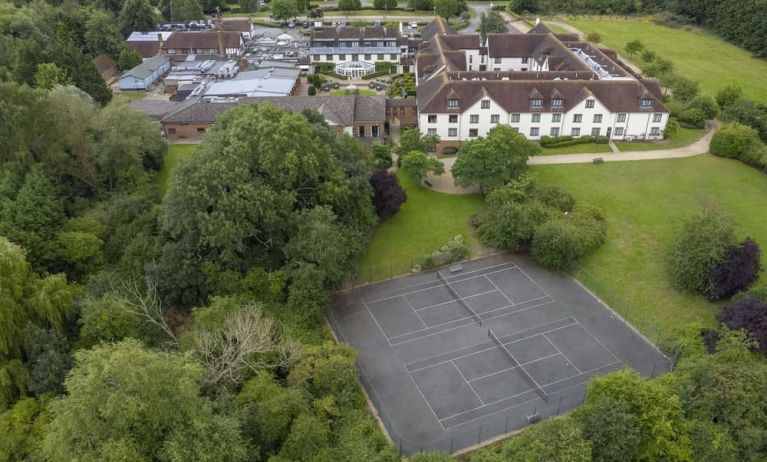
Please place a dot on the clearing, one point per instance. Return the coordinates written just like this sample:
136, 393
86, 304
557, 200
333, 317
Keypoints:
175, 153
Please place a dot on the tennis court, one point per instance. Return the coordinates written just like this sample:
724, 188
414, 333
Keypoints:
489, 344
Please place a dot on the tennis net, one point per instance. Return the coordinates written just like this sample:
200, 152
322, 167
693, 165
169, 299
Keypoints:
518, 366
457, 298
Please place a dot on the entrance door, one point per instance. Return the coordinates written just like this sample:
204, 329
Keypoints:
609, 132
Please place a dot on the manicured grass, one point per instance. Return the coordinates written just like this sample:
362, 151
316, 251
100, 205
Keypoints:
683, 137
176, 152
577, 149
129, 96
696, 54
644, 203
426, 222
361, 92
378, 13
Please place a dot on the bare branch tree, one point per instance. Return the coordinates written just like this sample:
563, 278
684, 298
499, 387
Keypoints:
146, 303
246, 341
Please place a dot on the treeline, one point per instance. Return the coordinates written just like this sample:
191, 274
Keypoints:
740, 22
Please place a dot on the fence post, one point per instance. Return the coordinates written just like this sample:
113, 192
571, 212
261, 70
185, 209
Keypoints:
559, 406
652, 376
451, 445
400, 444
479, 434
506, 426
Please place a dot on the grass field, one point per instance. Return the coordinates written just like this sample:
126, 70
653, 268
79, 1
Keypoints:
361, 92
378, 13
696, 54
175, 153
426, 222
645, 202
577, 149
683, 137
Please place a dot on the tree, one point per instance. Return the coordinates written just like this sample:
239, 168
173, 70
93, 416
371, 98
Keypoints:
648, 56
493, 161
381, 156
68, 56
107, 319
739, 270
728, 95
282, 10
249, 6
634, 47
558, 439
491, 23
185, 10
137, 15
129, 58
412, 140
431, 457
447, 8
308, 436
748, 113
611, 428
327, 369
523, 6
417, 164
421, 5
593, 37
706, 104
736, 141
684, 89
22, 429
123, 399
102, 35
49, 75
349, 5
750, 314
388, 195
701, 244
384, 4
48, 360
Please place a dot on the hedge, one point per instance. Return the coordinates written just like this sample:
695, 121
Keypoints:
375, 74
564, 141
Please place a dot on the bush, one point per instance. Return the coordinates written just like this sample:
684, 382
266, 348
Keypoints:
737, 141
453, 251
559, 243
672, 128
750, 314
388, 195
738, 271
381, 156
706, 104
701, 244
564, 141
693, 118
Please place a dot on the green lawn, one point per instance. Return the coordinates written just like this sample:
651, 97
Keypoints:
426, 222
577, 149
378, 13
361, 92
645, 202
696, 54
683, 137
175, 153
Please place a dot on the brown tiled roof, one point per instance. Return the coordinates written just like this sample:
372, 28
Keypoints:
145, 48
104, 63
401, 102
203, 40
438, 26
540, 28
459, 42
514, 96
355, 33
237, 25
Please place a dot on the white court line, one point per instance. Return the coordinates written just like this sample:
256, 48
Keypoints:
437, 281
582, 373
599, 342
499, 290
453, 300
376, 321
492, 347
412, 308
424, 398
560, 352
513, 367
467, 382
464, 324
534, 283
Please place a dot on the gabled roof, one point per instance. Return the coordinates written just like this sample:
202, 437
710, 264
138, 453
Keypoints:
104, 63
203, 40
436, 27
237, 25
146, 68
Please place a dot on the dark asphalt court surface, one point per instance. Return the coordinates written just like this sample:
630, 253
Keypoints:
439, 374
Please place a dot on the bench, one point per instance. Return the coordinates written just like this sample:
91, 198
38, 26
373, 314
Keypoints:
456, 268
598, 160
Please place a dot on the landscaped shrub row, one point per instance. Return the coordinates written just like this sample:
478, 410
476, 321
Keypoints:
564, 141
452, 252
736, 141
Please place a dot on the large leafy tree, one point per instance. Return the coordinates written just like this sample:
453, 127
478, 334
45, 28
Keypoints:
388, 195
416, 165
493, 161
491, 23
125, 402
750, 314
238, 202
611, 428
102, 35
557, 439
412, 140
185, 10
137, 15
282, 10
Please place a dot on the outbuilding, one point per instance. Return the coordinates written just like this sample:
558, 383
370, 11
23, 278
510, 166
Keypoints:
145, 74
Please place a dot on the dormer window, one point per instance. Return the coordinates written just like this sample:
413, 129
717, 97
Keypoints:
646, 102
485, 104
589, 104
452, 103
536, 102
557, 102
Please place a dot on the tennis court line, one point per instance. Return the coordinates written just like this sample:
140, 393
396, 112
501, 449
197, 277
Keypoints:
513, 367
560, 352
600, 342
445, 303
467, 382
499, 344
424, 399
415, 312
499, 289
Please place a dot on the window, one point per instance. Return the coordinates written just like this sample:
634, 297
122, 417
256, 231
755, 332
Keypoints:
554, 131
374, 131
524, 61
452, 118
515, 118
200, 129
619, 131
474, 119
473, 133
432, 118
431, 131
657, 118
341, 57
621, 118
393, 57
470, 59
556, 117
381, 57
171, 131
329, 57
595, 131
355, 57
597, 118
452, 103
557, 102
534, 131
485, 104
577, 118
361, 131
368, 57
645, 102
497, 60
536, 118
655, 131
495, 118
452, 132
589, 104
536, 102
575, 132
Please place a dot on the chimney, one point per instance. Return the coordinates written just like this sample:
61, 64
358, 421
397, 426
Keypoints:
537, 21
401, 31
221, 49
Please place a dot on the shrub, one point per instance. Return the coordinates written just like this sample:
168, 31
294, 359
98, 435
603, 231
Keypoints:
738, 271
750, 314
388, 195
693, 117
706, 104
381, 156
737, 141
672, 128
512, 225
728, 95
449, 151
453, 251
702, 243
556, 244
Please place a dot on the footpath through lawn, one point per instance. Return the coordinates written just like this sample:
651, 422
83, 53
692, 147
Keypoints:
426, 222
644, 203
